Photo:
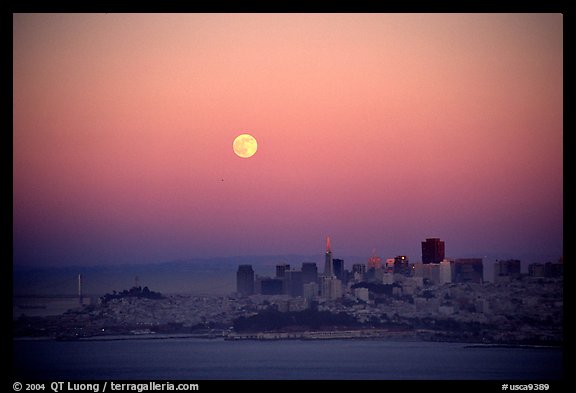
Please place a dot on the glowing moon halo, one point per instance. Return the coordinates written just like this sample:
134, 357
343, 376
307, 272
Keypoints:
245, 146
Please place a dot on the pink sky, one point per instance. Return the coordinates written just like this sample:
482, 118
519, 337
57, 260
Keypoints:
377, 129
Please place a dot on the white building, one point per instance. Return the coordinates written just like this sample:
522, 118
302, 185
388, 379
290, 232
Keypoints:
429, 271
331, 288
311, 290
362, 294
445, 271
387, 278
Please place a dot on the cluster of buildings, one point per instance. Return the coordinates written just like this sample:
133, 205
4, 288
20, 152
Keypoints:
441, 298
306, 282
336, 281
446, 297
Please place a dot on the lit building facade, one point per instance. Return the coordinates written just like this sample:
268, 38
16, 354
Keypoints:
374, 262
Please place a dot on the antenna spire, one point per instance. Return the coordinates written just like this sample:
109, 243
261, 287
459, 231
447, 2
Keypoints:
328, 248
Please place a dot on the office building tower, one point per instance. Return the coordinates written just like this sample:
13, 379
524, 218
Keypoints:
245, 280
293, 283
362, 294
506, 270
445, 271
328, 271
309, 272
358, 272
547, 269
374, 262
338, 268
281, 269
271, 286
468, 270
429, 272
536, 270
401, 265
359, 268
432, 251
331, 288
554, 269
384, 277
311, 290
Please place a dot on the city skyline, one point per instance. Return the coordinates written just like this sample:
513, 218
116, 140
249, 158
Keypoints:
433, 268
212, 275
379, 129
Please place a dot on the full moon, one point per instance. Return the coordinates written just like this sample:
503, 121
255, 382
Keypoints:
245, 145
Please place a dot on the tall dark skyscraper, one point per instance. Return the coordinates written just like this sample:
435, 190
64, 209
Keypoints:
245, 280
309, 272
338, 268
328, 271
432, 251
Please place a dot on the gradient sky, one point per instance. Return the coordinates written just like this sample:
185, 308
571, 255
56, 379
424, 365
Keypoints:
377, 129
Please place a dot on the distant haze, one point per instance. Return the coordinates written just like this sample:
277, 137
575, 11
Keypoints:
214, 276
379, 130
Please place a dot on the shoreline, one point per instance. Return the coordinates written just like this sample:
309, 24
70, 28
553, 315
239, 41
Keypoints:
526, 346
274, 337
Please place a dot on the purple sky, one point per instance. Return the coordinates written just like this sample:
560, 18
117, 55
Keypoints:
377, 129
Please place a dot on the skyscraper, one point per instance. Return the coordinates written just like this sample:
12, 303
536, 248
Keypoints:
294, 283
328, 271
309, 272
245, 280
311, 290
401, 265
359, 268
358, 271
374, 262
554, 269
338, 268
445, 271
536, 270
432, 251
281, 270
506, 270
271, 286
468, 270
331, 288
